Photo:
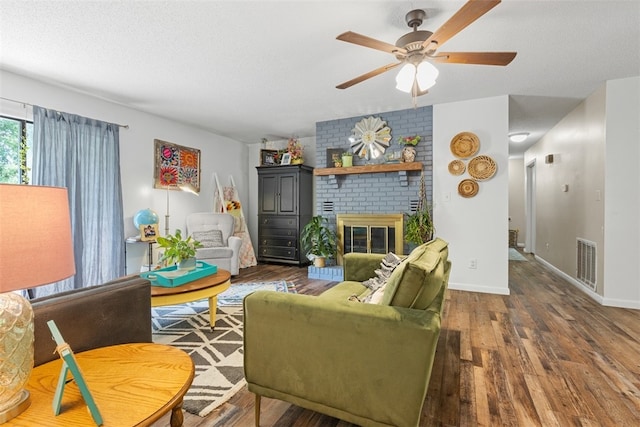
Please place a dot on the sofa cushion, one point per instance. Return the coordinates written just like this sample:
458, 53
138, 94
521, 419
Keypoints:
416, 282
209, 239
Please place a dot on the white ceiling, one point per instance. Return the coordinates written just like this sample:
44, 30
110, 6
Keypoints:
249, 70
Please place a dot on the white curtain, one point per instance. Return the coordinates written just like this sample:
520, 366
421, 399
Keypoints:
83, 155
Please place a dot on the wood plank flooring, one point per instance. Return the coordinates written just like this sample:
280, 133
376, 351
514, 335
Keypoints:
546, 355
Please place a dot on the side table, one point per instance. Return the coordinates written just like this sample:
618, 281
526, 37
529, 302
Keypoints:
132, 385
133, 241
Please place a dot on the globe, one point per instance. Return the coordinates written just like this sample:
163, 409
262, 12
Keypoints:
145, 217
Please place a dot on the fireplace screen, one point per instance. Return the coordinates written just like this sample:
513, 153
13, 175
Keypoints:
369, 239
369, 233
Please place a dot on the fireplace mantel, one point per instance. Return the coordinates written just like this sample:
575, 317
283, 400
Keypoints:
401, 168
382, 168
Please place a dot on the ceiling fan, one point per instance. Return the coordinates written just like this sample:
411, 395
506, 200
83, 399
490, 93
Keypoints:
418, 48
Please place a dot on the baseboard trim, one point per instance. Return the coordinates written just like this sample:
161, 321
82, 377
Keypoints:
478, 288
609, 302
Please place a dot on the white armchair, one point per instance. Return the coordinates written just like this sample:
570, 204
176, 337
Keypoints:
215, 232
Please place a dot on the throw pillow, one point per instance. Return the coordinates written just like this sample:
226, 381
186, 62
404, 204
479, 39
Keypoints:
209, 239
377, 284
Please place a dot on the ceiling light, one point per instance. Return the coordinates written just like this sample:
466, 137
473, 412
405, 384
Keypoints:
518, 137
424, 75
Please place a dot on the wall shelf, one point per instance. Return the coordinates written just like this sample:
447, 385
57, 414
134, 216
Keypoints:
382, 168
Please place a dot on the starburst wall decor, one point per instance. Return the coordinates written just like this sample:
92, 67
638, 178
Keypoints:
176, 166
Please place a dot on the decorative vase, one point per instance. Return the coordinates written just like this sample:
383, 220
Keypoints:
408, 154
297, 161
347, 161
187, 264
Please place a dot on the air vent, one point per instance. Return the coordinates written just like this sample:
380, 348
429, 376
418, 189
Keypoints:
327, 207
413, 205
587, 263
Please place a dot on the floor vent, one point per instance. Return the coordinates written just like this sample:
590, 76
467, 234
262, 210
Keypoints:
587, 263
327, 207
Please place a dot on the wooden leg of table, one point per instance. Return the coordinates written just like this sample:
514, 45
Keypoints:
177, 417
213, 306
257, 410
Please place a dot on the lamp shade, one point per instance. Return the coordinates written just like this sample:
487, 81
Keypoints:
35, 236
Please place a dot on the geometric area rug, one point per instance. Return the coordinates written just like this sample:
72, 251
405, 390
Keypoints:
217, 354
514, 255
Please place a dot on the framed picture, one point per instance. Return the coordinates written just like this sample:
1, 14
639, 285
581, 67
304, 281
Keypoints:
175, 165
330, 153
268, 157
286, 159
149, 232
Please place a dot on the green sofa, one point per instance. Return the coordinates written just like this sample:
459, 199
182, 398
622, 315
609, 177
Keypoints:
368, 364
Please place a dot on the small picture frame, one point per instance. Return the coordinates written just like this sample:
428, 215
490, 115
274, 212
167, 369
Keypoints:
148, 232
286, 159
268, 157
331, 152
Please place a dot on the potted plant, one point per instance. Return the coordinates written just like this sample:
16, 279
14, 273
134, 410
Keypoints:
179, 251
409, 150
419, 225
347, 159
319, 240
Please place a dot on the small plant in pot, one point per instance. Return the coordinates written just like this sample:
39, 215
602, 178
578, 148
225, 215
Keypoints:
319, 239
419, 225
179, 251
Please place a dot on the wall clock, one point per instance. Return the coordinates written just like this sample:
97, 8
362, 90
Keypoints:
371, 137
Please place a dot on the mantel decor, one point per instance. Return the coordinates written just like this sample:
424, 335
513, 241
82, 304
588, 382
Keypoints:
176, 166
371, 137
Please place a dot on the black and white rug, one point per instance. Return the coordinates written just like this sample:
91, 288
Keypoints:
217, 354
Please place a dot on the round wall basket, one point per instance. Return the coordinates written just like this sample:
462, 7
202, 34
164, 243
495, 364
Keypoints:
468, 188
465, 145
482, 167
456, 167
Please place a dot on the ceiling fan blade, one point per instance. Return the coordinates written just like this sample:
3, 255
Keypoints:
467, 14
368, 75
365, 41
479, 58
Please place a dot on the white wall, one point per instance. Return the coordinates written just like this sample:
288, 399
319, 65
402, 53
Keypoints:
517, 218
218, 154
476, 228
622, 194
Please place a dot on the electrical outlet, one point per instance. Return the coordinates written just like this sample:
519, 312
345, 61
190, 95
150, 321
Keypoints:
473, 263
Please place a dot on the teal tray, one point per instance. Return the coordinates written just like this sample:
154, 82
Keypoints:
170, 277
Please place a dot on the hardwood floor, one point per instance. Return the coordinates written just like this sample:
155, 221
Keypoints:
546, 355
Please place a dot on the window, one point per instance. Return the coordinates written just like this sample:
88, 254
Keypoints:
16, 141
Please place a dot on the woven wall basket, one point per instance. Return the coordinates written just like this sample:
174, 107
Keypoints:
465, 145
482, 167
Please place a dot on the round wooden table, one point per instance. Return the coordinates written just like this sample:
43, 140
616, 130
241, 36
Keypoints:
207, 287
131, 384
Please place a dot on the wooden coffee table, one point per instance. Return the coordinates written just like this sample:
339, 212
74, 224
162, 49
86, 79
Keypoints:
132, 385
207, 287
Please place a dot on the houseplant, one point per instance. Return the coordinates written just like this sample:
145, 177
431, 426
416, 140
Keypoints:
179, 251
419, 225
347, 159
296, 150
319, 240
409, 151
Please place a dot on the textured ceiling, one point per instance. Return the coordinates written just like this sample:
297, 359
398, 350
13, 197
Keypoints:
258, 69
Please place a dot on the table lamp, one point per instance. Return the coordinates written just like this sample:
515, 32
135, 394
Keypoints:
35, 249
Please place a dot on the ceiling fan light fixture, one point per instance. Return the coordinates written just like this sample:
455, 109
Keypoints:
426, 75
518, 137
406, 77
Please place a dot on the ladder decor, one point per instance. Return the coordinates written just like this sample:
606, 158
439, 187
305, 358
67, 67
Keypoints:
227, 200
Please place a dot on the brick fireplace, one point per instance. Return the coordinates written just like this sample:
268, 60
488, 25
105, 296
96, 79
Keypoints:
374, 194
